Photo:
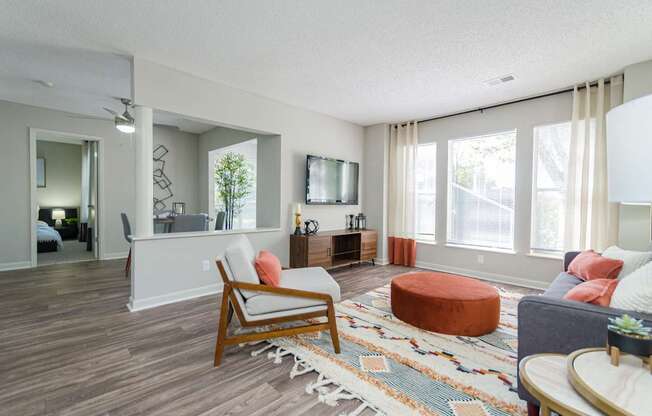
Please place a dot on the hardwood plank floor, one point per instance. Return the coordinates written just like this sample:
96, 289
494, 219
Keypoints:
69, 346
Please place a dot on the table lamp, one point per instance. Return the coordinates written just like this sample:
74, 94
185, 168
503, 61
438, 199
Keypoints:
629, 151
57, 216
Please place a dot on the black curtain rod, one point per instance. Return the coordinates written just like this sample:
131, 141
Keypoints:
520, 100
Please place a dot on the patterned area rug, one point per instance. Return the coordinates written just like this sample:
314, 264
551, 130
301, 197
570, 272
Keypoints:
397, 369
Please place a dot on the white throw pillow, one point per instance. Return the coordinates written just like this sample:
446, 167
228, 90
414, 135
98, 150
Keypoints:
633, 259
242, 267
635, 292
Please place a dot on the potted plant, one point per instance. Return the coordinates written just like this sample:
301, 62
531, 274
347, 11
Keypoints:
233, 182
628, 335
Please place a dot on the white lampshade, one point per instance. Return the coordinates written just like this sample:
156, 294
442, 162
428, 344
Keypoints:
58, 214
629, 151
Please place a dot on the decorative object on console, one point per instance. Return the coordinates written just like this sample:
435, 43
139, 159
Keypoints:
297, 219
361, 222
312, 226
629, 335
178, 208
349, 221
163, 188
58, 215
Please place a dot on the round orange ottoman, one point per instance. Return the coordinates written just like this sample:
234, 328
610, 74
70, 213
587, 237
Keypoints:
446, 303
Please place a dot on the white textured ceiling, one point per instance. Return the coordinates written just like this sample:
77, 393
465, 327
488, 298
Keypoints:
366, 61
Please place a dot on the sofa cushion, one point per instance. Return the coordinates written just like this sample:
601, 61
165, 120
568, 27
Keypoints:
632, 259
313, 279
596, 291
635, 291
561, 285
240, 256
589, 265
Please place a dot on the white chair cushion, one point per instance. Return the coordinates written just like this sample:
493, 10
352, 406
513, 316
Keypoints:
634, 293
313, 279
240, 257
632, 259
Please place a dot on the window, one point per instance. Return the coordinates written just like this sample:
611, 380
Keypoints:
245, 207
481, 190
551, 149
425, 185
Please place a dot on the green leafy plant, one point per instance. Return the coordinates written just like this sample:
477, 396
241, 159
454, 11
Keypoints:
627, 325
70, 221
233, 182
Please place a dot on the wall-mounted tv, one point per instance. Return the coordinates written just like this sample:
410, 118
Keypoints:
331, 181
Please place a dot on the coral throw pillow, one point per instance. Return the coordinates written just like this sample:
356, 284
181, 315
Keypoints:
596, 291
589, 265
268, 268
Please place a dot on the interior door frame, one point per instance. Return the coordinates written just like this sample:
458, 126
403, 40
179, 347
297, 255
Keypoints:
71, 138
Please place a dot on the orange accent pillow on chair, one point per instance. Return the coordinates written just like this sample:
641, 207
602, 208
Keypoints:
596, 291
268, 268
589, 265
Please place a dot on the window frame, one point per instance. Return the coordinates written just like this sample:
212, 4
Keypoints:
423, 236
449, 202
535, 194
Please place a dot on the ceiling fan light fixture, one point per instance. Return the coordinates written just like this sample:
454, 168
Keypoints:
125, 126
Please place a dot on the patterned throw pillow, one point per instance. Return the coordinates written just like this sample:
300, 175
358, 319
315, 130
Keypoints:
635, 292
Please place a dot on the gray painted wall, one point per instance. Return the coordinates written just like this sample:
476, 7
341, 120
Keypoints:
16, 119
62, 174
180, 165
375, 172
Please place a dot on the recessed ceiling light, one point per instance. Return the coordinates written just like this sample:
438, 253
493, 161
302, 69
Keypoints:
48, 84
500, 80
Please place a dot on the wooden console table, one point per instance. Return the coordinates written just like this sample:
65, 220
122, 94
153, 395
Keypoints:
330, 249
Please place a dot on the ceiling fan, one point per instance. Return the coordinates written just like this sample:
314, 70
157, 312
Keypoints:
123, 122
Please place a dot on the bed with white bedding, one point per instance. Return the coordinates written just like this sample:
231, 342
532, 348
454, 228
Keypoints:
48, 239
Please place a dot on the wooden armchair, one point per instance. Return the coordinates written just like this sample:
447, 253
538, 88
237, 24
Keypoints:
259, 305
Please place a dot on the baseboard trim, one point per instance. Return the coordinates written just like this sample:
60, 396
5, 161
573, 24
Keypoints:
15, 265
492, 277
135, 305
382, 262
116, 255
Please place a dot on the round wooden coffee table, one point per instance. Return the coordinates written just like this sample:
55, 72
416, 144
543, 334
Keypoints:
625, 389
545, 376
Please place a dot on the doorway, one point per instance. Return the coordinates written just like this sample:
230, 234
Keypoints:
66, 188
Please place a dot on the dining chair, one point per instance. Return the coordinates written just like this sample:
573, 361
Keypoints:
126, 229
189, 223
219, 221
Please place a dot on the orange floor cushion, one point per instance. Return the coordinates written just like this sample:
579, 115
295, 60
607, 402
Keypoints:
446, 303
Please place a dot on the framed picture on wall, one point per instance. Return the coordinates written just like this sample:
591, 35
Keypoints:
40, 172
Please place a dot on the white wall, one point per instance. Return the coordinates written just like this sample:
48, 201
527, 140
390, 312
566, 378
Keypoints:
375, 172
62, 174
168, 267
16, 119
180, 165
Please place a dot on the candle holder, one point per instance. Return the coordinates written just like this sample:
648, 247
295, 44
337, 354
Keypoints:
297, 224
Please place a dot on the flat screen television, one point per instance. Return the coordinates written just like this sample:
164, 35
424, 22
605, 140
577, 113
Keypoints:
331, 181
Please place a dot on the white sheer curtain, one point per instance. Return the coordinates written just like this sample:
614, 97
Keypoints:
591, 221
402, 197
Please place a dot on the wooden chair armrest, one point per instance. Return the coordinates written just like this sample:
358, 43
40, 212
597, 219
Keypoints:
282, 291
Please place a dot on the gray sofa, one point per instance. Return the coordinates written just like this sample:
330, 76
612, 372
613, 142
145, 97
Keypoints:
548, 323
